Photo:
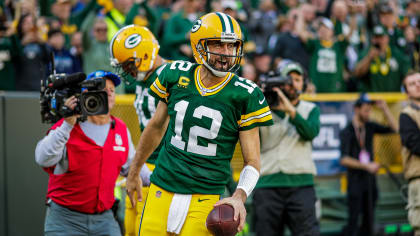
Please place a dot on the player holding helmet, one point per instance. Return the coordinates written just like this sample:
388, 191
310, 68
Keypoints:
204, 109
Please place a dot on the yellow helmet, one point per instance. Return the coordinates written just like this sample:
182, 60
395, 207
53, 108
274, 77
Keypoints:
133, 51
216, 26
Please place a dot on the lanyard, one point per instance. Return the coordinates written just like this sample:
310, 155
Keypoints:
360, 135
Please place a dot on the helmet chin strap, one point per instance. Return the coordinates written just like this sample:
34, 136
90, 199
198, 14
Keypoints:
140, 75
216, 73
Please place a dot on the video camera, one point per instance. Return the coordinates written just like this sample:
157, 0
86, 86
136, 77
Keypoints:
271, 80
59, 87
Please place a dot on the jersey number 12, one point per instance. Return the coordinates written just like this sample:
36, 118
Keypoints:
196, 131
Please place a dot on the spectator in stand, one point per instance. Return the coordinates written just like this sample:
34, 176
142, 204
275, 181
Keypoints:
249, 71
262, 62
95, 44
33, 62
381, 67
262, 23
287, 44
357, 155
69, 23
412, 10
143, 15
64, 61
9, 54
410, 139
388, 18
176, 37
76, 49
412, 50
115, 14
327, 60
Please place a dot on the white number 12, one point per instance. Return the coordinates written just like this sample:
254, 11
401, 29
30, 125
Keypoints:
197, 131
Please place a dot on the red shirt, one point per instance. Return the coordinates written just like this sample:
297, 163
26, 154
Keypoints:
88, 185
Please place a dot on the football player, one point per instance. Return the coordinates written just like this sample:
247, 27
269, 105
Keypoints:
134, 55
204, 109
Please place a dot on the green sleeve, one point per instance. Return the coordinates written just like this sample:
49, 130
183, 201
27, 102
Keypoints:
172, 36
129, 19
255, 111
338, 28
85, 28
307, 129
310, 45
343, 44
79, 17
152, 18
165, 78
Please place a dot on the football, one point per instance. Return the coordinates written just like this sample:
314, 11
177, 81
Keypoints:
220, 221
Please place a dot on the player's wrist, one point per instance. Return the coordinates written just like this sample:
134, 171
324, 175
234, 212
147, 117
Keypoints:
248, 179
240, 194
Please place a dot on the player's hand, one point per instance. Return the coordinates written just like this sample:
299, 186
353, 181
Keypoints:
238, 207
71, 103
134, 185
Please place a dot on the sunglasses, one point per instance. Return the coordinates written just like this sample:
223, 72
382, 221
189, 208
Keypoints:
101, 29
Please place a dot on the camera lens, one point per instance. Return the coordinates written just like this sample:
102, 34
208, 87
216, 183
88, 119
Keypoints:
93, 103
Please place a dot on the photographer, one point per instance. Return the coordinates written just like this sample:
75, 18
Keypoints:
285, 192
83, 160
382, 66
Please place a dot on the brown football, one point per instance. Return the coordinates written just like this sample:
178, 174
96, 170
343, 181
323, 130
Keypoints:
220, 221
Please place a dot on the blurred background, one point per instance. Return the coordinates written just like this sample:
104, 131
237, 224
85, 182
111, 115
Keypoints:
331, 39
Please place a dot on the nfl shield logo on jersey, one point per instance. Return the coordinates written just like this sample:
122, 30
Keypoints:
158, 194
118, 139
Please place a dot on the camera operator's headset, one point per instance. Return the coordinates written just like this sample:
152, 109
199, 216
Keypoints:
291, 66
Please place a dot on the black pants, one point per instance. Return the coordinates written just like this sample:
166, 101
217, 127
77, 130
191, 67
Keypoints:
277, 207
361, 201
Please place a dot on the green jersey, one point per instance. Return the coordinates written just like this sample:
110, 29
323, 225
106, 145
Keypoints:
327, 65
203, 128
385, 72
9, 52
145, 106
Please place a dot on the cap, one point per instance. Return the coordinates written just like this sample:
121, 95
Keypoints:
363, 99
290, 67
105, 74
378, 30
229, 4
385, 8
328, 23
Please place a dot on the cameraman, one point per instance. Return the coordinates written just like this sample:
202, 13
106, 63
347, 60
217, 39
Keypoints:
83, 160
284, 193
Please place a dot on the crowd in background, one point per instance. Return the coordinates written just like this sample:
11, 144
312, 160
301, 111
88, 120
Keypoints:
344, 45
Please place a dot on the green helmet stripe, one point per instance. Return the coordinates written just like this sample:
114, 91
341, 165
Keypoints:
230, 23
221, 21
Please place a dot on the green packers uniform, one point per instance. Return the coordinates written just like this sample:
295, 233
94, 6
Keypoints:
145, 106
203, 128
327, 65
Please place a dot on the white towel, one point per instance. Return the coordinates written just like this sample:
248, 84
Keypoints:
178, 212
